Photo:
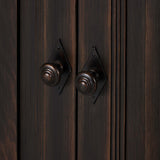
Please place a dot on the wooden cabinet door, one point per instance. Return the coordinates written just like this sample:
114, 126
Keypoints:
39, 124
125, 121
47, 120
101, 126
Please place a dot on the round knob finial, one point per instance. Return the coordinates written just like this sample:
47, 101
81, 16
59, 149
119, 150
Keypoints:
51, 73
86, 82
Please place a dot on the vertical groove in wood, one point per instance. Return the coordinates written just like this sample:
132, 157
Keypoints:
113, 108
123, 31
118, 80
45, 101
118, 75
8, 80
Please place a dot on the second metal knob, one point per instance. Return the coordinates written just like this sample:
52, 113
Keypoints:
86, 82
91, 80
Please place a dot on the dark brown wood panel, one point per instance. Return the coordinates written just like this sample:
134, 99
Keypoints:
143, 75
94, 119
8, 79
152, 80
47, 120
135, 128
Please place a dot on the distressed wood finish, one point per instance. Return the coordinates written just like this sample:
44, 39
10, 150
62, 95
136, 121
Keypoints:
47, 120
8, 79
143, 77
94, 29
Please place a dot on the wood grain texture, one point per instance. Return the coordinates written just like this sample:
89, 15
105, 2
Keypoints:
8, 79
47, 120
135, 80
152, 80
94, 119
143, 75
118, 77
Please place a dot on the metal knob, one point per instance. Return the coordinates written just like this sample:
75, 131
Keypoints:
51, 73
86, 82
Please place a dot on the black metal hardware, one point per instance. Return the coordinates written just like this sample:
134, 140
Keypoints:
57, 70
92, 78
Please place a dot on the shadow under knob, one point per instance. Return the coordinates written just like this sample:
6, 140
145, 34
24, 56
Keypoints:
86, 82
51, 73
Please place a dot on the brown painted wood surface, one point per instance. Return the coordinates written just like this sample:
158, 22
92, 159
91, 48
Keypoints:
94, 29
143, 77
8, 80
47, 120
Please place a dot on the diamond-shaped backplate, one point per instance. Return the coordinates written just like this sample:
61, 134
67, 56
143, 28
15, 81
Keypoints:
94, 63
60, 55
